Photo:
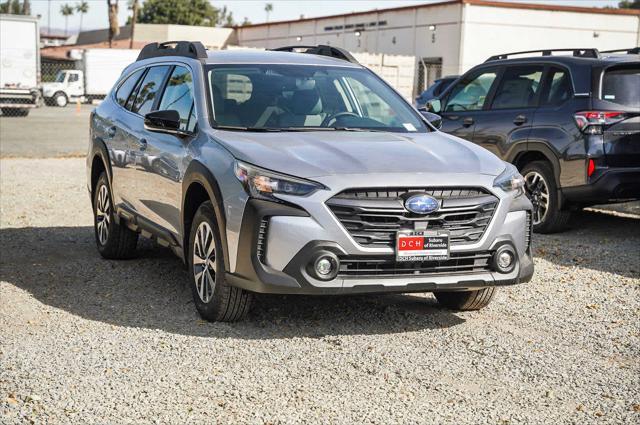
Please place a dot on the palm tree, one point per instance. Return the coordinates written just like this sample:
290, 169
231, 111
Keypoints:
114, 28
268, 8
134, 6
82, 8
66, 11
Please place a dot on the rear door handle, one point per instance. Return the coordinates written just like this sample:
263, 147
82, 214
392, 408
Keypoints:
519, 120
142, 143
467, 122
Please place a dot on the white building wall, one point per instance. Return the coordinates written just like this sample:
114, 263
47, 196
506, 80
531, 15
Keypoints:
493, 30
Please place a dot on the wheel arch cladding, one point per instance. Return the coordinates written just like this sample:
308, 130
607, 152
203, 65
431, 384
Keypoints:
523, 156
199, 186
99, 163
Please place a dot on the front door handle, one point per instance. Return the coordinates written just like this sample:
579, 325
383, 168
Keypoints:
111, 131
142, 143
519, 120
467, 122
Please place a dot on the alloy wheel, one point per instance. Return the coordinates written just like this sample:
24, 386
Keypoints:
204, 261
538, 193
103, 214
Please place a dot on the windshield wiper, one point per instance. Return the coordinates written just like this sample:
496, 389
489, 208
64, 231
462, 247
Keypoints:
240, 128
361, 129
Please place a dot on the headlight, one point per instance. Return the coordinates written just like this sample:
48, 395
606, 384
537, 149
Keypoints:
264, 184
510, 180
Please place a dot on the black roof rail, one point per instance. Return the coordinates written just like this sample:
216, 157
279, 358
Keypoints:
189, 49
631, 51
580, 53
322, 50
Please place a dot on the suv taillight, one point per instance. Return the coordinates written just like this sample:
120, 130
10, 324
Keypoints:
592, 122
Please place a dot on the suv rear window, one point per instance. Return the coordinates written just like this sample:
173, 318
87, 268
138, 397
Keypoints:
620, 85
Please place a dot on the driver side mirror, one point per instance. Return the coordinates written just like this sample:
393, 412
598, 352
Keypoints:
434, 119
434, 105
163, 122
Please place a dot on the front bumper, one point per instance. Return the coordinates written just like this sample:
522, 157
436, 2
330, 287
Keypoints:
613, 185
277, 242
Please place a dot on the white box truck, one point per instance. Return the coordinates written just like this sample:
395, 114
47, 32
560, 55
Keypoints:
96, 71
19, 64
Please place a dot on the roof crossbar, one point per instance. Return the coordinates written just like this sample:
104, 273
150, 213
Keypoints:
580, 53
321, 50
189, 49
631, 51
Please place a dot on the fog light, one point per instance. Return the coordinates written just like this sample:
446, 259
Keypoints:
504, 259
324, 265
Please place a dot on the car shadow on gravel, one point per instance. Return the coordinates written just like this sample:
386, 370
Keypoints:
596, 240
61, 268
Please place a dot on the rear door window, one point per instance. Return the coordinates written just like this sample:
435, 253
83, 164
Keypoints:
621, 86
148, 90
518, 88
558, 87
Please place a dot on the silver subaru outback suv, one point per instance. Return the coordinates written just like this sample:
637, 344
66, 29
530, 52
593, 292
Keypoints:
298, 171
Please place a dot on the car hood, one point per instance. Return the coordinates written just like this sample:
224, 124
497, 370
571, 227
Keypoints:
51, 86
322, 153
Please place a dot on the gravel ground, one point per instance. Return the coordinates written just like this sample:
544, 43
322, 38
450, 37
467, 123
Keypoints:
94, 341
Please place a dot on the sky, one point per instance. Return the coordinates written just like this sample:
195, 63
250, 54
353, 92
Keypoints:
252, 9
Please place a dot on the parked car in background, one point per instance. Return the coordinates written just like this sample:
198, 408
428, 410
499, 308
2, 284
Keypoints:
435, 90
298, 173
570, 123
96, 72
19, 64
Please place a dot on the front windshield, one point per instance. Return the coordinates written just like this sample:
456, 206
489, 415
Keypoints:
299, 97
60, 76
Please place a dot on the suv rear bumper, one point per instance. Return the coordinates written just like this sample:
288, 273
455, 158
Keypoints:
614, 185
253, 274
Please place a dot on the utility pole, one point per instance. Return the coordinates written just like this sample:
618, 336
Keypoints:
48, 16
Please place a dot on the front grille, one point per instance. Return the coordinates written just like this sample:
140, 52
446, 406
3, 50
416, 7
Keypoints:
261, 247
374, 216
356, 266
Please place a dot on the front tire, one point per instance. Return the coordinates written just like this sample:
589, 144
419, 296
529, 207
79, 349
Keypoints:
541, 189
60, 99
466, 300
215, 300
114, 241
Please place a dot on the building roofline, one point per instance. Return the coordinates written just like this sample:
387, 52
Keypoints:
488, 3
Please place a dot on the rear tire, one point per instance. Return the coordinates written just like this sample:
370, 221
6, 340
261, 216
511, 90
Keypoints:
215, 299
114, 241
466, 300
541, 189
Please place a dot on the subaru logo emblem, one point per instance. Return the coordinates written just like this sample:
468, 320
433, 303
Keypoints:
422, 204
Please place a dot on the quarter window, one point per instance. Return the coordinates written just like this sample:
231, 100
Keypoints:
149, 89
471, 95
178, 96
126, 88
518, 87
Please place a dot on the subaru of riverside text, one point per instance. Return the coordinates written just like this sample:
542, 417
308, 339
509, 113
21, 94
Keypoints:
298, 171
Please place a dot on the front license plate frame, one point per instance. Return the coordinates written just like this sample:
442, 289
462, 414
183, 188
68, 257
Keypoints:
422, 245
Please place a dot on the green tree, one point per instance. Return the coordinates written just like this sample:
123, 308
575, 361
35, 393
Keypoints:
66, 11
184, 12
114, 27
82, 8
12, 7
629, 4
268, 8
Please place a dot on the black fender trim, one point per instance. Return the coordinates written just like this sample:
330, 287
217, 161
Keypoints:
524, 148
99, 149
198, 173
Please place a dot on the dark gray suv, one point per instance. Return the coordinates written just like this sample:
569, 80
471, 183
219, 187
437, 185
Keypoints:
298, 173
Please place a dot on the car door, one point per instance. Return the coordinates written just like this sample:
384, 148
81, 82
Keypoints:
75, 84
160, 185
134, 136
465, 101
509, 117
